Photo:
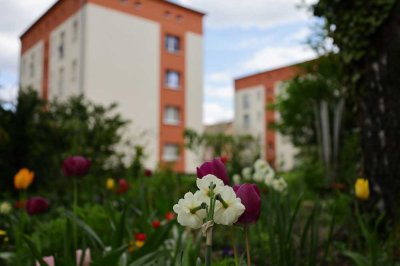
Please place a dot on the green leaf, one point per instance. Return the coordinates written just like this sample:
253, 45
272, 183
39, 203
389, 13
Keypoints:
34, 250
149, 259
85, 228
110, 258
357, 258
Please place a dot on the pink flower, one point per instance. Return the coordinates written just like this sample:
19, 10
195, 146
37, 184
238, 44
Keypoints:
49, 261
87, 259
251, 199
76, 166
36, 205
215, 167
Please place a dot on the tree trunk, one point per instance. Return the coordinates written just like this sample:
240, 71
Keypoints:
380, 113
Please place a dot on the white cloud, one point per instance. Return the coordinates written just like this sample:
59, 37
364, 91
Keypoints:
277, 56
219, 93
16, 16
8, 93
215, 113
252, 13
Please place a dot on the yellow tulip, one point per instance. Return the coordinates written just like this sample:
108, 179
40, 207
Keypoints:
139, 243
110, 184
362, 189
2, 233
23, 179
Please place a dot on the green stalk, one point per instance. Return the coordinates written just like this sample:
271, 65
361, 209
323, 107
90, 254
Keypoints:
235, 255
75, 208
246, 232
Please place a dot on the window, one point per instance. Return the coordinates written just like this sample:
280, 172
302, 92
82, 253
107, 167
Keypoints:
61, 82
172, 43
61, 45
171, 152
171, 115
167, 14
137, 5
179, 18
74, 70
172, 79
75, 31
246, 101
246, 121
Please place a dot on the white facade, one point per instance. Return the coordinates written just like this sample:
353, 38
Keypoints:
31, 67
193, 93
122, 65
115, 57
285, 151
250, 114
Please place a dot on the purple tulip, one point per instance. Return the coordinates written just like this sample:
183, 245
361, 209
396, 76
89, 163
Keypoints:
251, 199
36, 205
76, 166
215, 167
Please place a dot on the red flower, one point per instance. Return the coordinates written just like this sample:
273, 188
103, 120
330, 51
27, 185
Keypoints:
251, 199
140, 237
36, 205
20, 204
156, 223
169, 216
148, 172
123, 186
76, 166
215, 167
224, 159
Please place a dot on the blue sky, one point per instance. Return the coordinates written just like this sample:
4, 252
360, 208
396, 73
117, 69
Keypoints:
240, 38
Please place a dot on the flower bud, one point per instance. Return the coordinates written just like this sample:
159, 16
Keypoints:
362, 189
23, 179
76, 166
5, 208
123, 186
36, 205
110, 184
155, 224
251, 199
216, 167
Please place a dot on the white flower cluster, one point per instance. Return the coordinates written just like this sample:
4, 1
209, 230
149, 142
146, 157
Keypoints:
213, 196
263, 172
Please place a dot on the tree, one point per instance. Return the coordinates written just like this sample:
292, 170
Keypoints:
367, 34
312, 108
40, 134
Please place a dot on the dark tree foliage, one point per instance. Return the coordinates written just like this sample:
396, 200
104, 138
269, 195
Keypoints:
367, 34
39, 135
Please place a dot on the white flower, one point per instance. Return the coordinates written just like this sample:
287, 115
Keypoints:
269, 177
185, 211
261, 165
5, 208
236, 179
228, 213
246, 173
279, 184
258, 176
204, 186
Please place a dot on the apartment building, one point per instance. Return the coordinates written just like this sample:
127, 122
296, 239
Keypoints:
145, 55
253, 94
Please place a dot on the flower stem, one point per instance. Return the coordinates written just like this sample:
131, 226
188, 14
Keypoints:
74, 210
246, 233
209, 246
235, 255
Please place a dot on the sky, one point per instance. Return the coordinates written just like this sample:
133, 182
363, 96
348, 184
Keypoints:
240, 38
